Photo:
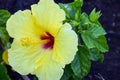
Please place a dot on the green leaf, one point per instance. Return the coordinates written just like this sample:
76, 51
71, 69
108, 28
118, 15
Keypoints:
35, 78
4, 15
101, 58
69, 9
3, 73
67, 73
95, 55
75, 65
4, 37
84, 19
93, 37
1, 52
94, 16
74, 23
91, 42
85, 62
96, 30
79, 3
81, 64
73, 11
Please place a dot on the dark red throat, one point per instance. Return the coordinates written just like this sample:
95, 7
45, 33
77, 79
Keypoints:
49, 43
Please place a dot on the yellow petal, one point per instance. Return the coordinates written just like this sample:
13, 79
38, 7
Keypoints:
65, 46
48, 69
23, 58
22, 24
5, 57
48, 15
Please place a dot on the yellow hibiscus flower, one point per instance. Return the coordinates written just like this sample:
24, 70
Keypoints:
42, 44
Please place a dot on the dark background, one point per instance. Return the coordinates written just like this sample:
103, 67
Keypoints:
110, 19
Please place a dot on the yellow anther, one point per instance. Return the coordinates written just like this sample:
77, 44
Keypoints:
25, 41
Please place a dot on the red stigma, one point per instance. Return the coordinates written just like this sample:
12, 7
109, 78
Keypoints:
49, 40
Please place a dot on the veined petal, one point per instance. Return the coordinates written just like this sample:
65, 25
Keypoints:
23, 58
48, 15
22, 23
65, 46
48, 69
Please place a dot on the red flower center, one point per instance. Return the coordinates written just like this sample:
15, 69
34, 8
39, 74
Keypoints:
49, 40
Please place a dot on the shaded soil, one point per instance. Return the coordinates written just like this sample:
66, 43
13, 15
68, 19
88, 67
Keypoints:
109, 69
110, 20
